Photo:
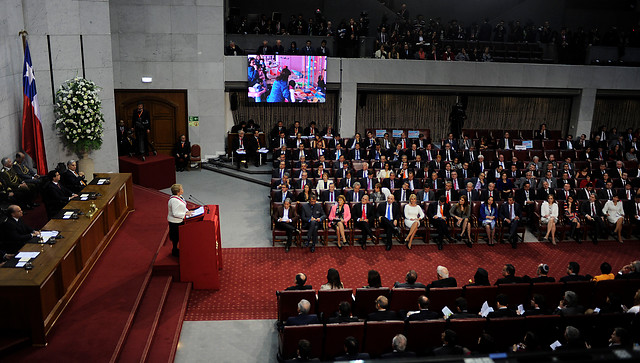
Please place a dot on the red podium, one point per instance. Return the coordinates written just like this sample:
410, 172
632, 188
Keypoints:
201, 250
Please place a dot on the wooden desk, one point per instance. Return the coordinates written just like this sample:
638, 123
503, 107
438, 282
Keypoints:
33, 300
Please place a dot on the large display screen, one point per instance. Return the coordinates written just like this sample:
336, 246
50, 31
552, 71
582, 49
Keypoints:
287, 78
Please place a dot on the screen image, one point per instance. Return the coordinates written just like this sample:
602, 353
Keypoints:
287, 78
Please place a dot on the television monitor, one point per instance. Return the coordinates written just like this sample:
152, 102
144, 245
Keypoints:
287, 78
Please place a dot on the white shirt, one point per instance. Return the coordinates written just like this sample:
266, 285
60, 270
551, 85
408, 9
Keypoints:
177, 209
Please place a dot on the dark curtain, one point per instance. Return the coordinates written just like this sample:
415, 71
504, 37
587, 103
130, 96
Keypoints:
267, 115
621, 113
393, 110
518, 112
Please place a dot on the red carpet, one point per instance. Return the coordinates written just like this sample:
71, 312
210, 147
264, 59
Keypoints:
89, 328
252, 275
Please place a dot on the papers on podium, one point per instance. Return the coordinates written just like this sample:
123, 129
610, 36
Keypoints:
197, 212
25, 257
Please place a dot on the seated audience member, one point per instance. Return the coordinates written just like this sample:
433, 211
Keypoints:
303, 317
382, 314
573, 340
286, 219
612, 305
486, 344
572, 273
73, 180
303, 352
14, 187
54, 195
605, 273
181, 152
635, 309
399, 344
410, 281
537, 306
620, 338
312, 217
363, 215
502, 308
424, 313
373, 280
461, 311
389, 217
26, 173
481, 278
630, 271
333, 280
509, 275
301, 280
449, 346
352, 351
344, 314
569, 305
14, 232
438, 214
542, 273
444, 280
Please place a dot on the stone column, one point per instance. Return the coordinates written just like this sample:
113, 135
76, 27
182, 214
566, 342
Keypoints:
582, 113
348, 107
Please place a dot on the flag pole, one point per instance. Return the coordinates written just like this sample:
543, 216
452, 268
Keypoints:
23, 34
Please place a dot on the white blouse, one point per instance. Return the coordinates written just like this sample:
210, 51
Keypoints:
177, 209
413, 212
551, 211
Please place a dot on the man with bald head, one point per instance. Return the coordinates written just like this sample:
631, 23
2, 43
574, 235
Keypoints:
14, 232
301, 280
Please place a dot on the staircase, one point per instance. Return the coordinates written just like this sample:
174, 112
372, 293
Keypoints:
153, 328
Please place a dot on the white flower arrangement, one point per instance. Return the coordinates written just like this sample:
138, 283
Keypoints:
79, 115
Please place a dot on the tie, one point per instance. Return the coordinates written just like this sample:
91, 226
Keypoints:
303, 183
369, 184
330, 196
284, 196
281, 173
357, 155
364, 211
471, 156
447, 197
566, 194
414, 154
426, 196
469, 196
455, 184
241, 144
442, 211
593, 209
355, 197
628, 195
609, 192
388, 211
392, 184
402, 196
448, 156
448, 175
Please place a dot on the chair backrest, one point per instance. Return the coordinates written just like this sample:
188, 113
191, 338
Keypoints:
468, 331
365, 302
586, 324
379, 335
335, 335
584, 290
291, 335
329, 301
477, 295
195, 150
545, 327
405, 299
441, 297
517, 293
506, 331
606, 323
424, 335
552, 292
288, 302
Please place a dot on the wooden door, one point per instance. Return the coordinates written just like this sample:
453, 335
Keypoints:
168, 110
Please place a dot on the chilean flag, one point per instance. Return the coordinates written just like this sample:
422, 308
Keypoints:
32, 139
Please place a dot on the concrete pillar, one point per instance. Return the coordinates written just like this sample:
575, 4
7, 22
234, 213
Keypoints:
348, 107
582, 113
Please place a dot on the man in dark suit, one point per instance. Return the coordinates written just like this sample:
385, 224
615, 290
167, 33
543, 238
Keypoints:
414, 152
303, 317
424, 313
593, 217
364, 215
480, 166
506, 142
329, 195
402, 195
544, 192
470, 192
542, 271
240, 147
354, 195
312, 217
573, 270
444, 280
123, 135
295, 129
585, 193
389, 218
72, 179
391, 182
286, 219
382, 314
399, 345
181, 152
490, 192
410, 282
502, 308
357, 153
351, 349
461, 311
438, 214
301, 280
526, 197
567, 144
607, 192
449, 346
538, 306
565, 193
569, 305
426, 195
510, 214
54, 195
448, 154
142, 124
370, 182
509, 276
281, 195
15, 232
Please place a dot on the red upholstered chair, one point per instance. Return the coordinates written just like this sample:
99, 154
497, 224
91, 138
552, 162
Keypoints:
405, 299
441, 297
506, 331
422, 336
468, 331
288, 302
379, 335
476, 226
517, 293
552, 292
280, 235
335, 335
365, 302
288, 340
477, 295
606, 287
195, 158
545, 327
584, 290
329, 301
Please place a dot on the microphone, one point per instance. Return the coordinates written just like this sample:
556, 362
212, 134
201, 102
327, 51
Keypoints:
191, 197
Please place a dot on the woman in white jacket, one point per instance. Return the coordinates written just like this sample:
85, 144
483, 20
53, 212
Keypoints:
177, 212
549, 216
615, 215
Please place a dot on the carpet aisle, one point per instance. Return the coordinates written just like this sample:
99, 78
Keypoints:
252, 275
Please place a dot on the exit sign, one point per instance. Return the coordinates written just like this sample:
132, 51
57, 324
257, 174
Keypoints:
194, 118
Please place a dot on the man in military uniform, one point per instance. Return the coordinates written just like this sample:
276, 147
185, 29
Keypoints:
18, 196
25, 173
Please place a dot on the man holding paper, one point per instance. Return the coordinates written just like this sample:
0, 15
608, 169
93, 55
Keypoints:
15, 232
177, 212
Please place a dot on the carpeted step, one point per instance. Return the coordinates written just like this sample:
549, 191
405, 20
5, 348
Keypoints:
165, 341
136, 346
165, 264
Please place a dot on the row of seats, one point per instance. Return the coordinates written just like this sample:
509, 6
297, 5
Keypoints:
514, 133
325, 302
327, 341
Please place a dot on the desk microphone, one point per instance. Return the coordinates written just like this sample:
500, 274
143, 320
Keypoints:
191, 197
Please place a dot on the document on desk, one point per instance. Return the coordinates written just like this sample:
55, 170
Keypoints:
84, 196
49, 234
29, 255
197, 212
67, 215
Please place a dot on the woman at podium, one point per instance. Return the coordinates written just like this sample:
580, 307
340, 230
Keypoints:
177, 212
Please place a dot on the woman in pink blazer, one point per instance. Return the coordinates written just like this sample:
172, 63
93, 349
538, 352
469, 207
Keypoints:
339, 217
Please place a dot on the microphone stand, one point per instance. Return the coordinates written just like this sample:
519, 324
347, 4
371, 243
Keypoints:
206, 208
